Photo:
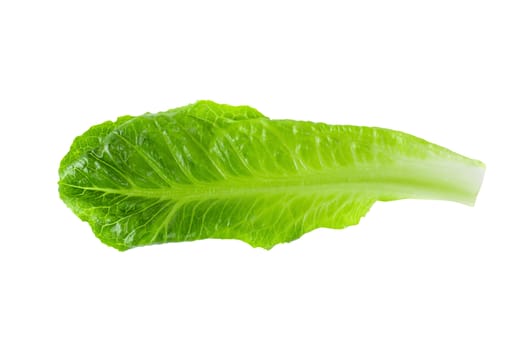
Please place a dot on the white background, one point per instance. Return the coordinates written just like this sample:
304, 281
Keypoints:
412, 275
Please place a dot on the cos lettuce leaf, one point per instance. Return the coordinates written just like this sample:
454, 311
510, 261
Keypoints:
217, 171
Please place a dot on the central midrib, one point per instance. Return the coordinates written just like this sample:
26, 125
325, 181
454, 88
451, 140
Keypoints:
430, 180
217, 190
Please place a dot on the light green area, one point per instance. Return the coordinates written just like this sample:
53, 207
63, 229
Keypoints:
217, 171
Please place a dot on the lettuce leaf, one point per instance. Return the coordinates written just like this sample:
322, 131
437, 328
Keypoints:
216, 171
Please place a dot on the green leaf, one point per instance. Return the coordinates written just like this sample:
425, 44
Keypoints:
217, 171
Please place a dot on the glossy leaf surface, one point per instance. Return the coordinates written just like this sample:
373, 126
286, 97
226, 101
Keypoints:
217, 171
